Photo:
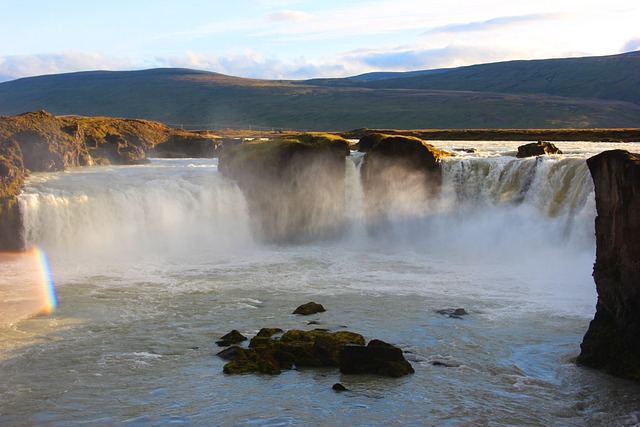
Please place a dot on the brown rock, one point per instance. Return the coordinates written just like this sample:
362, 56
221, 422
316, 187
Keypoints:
612, 342
309, 308
537, 149
12, 175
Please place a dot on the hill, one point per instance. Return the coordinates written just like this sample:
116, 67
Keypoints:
614, 77
584, 93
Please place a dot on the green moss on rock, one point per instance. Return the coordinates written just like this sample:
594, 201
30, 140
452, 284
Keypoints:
309, 308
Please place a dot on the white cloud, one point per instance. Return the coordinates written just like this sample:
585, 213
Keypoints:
17, 66
493, 24
287, 16
632, 45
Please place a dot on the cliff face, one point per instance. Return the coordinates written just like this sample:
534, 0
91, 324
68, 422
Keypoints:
294, 187
612, 342
44, 141
12, 176
399, 177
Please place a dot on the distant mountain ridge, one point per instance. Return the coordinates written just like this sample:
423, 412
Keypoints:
555, 93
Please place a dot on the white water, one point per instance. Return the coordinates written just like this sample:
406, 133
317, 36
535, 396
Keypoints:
153, 263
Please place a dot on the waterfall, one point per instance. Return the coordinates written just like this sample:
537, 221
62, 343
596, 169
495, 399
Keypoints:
499, 208
497, 205
168, 207
549, 197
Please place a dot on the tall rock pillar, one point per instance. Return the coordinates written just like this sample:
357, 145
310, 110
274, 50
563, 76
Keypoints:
612, 342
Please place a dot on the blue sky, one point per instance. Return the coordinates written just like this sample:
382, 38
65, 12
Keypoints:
293, 39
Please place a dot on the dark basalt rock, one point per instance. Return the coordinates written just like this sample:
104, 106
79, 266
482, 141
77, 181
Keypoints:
378, 357
537, 149
612, 343
339, 387
309, 308
233, 337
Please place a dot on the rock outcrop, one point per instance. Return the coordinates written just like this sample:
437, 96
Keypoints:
188, 144
309, 308
400, 175
612, 343
537, 149
45, 141
41, 142
294, 186
12, 175
316, 348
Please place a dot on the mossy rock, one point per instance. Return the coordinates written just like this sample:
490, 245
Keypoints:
233, 337
269, 332
309, 308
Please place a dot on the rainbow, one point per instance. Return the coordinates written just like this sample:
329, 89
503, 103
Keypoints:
26, 286
48, 289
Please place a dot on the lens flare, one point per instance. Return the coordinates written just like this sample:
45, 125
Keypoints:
26, 286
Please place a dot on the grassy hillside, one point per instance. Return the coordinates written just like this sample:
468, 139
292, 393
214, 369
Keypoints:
204, 100
605, 77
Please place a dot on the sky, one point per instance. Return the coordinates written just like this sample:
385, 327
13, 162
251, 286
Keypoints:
295, 39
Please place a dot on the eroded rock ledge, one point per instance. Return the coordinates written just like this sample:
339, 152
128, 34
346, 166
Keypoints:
41, 142
612, 343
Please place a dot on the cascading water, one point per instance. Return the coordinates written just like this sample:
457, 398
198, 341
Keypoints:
153, 263
166, 208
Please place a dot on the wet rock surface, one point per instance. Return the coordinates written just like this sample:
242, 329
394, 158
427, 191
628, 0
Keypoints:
309, 308
316, 348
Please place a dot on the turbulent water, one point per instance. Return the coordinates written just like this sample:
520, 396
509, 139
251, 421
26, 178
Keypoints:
154, 263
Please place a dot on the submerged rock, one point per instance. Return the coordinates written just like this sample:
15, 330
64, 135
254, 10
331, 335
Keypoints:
309, 308
445, 364
339, 387
537, 149
612, 342
454, 313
